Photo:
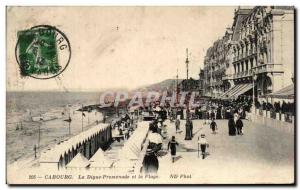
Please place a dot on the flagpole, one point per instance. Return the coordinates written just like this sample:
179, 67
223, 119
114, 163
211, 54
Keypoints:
39, 136
81, 117
69, 123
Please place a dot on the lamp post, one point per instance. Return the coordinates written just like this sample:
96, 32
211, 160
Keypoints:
254, 77
188, 124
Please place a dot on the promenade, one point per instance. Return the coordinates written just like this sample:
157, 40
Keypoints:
264, 154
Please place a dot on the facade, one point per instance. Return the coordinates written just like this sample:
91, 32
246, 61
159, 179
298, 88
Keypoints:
201, 82
218, 73
257, 52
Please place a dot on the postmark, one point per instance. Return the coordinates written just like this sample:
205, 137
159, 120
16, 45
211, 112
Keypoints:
42, 52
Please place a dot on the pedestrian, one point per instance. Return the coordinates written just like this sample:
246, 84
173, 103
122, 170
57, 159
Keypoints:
231, 127
213, 126
212, 114
150, 162
172, 145
239, 126
189, 129
177, 125
203, 144
219, 113
209, 114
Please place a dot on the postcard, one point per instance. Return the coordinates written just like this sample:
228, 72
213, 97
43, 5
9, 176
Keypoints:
150, 95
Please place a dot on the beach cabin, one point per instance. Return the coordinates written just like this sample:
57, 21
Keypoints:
87, 143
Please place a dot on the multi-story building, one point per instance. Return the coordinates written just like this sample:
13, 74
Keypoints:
217, 71
190, 85
201, 82
259, 51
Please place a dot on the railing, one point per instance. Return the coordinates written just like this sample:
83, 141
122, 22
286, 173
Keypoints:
264, 68
220, 82
273, 114
285, 117
242, 74
288, 117
227, 77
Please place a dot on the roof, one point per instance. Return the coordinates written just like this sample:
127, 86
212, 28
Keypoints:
54, 154
284, 93
99, 160
133, 146
79, 161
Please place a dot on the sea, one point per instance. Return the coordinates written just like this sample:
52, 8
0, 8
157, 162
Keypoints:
38, 119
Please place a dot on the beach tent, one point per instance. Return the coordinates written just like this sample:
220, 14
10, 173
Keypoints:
79, 161
98, 160
132, 148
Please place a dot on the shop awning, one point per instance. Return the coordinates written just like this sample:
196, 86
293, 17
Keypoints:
229, 92
284, 93
241, 90
236, 91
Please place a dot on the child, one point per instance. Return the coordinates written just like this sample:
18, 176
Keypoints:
177, 125
213, 126
172, 144
203, 144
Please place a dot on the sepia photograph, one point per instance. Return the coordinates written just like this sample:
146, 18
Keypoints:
150, 95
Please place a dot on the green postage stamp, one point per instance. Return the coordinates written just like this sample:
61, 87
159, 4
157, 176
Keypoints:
42, 52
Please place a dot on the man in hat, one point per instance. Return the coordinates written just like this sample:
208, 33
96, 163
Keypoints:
203, 144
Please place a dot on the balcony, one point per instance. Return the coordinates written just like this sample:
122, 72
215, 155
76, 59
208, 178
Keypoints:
227, 77
243, 74
267, 68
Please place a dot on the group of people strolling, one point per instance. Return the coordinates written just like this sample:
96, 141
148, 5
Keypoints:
235, 125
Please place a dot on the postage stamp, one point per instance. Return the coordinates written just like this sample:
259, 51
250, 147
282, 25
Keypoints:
42, 52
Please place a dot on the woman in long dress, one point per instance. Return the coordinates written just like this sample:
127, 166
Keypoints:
150, 162
231, 127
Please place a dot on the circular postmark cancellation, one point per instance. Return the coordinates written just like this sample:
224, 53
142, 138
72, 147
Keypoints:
42, 52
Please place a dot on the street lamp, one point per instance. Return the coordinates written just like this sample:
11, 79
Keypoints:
188, 124
254, 77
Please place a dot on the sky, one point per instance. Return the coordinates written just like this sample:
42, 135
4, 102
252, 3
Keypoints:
119, 47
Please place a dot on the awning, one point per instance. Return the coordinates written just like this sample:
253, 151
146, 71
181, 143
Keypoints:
229, 92
236, 91
225, 94
284, 93
241, 90
79, 161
